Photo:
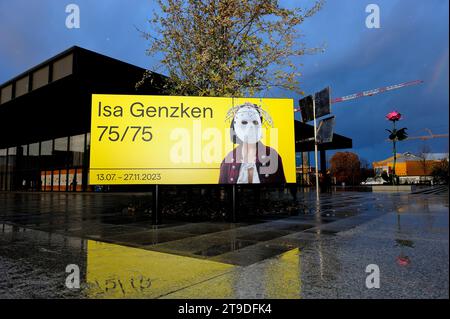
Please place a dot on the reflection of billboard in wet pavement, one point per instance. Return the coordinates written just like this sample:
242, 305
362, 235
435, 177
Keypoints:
323, 105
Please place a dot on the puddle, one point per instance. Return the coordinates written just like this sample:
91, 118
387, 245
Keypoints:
263, 236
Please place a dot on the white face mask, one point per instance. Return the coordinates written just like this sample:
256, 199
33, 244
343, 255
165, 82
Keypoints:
247, 125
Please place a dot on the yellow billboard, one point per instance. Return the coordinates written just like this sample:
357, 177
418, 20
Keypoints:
140, 139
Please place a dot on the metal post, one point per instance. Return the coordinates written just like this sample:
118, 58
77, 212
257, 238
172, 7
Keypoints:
315, 149
394, 175
323, 170
156, 212
303, 171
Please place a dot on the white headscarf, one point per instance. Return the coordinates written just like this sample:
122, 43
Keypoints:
247, 125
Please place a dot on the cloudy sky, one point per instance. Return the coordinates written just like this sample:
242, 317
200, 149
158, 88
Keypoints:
411, 44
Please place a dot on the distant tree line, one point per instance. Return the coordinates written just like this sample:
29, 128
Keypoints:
440, 172
348, 168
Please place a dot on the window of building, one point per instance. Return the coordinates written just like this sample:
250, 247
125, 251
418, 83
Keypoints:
46, 159
24, 150
77, 149
52, 165
63, 180
6, 94
56, 180
23, 164
60, 160
33, 149
62, 67
12, 151
88, 140
22, 86
40, 77
61, 144
46, 164
3, 171
46, 147
77, 143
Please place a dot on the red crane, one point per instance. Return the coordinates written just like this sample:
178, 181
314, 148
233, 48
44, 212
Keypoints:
371, 92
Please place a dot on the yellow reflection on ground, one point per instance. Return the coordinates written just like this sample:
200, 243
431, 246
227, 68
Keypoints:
115, 271
283, 277
278, 277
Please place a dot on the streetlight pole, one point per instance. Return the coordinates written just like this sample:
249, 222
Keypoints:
394, 178
315, 149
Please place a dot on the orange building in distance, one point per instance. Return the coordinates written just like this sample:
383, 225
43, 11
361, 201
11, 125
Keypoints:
410, 168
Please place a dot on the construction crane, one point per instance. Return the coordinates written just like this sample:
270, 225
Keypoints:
371, 92
425, 137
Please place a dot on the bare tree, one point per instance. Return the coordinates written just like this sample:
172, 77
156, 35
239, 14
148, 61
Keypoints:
440, 172
366, 170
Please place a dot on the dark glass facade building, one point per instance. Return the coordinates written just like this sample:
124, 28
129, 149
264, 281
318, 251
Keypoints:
45, 120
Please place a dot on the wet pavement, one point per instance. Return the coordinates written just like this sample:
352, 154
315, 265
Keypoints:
314, 251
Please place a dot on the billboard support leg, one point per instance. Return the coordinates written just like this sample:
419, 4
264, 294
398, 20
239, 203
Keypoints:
257, 200
156, 211
234, 204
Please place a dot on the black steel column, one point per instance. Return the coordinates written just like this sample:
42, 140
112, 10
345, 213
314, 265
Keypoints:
156, 211
293, 190
85, 165
302, 171
323, 162
234, 207
257, 196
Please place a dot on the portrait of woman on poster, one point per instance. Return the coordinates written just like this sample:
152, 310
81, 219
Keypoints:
250, 162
